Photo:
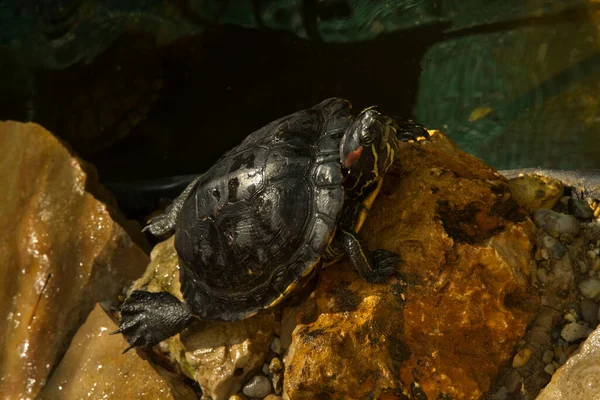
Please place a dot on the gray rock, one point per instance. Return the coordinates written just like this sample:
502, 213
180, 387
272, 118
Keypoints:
556, 223
582, 210
589, 311
556, 248
573, 331
259, 386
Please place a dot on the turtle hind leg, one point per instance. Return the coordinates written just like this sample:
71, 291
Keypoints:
165, 223
374, 266
149, 318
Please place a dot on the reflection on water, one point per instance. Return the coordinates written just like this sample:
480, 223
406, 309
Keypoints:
154, 88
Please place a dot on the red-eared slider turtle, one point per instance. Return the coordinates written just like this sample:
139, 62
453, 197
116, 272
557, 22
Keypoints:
256, 224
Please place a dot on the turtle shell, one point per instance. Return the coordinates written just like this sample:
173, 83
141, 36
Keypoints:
258, 221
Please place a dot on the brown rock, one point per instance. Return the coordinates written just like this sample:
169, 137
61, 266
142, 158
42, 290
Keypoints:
60, 254
464, 304
220, 356
533, 192
94, 368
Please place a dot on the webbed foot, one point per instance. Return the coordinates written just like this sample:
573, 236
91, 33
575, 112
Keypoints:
149, 318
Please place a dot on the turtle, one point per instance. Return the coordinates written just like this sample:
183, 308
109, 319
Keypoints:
257, 225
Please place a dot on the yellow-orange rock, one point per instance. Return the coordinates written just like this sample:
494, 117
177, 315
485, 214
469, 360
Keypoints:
533, 192
218, 355
60, 254
449, 326
94, 368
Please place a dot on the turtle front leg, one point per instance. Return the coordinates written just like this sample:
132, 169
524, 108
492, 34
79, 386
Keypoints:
166, 222
149, 318
374, 266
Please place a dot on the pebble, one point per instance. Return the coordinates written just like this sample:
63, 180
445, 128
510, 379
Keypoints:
573, 331
276, 345
236, 397
590, 288
548, 356
582, 210
258, 386
265, 369
556, 248
522, 358
543, 275
589, 311
273, 397
592, 254
549, 368
556, 223
275, 365
501, 394
278, 383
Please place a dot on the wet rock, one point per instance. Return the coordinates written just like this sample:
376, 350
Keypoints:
466, 250
259, 386
60, 254
94, 367
578, 378
556, 223
218, 355
533, 192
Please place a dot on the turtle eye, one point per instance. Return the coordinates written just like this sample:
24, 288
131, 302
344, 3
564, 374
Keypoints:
365, 138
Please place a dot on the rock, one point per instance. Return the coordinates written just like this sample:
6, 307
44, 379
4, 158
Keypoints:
582, 210
556, 248
556, 223
276, 345
578, 378
273, 397
218, 355
466, 250
573, 331
589, 311
533, 192
590, 288
60, 254
522, 358
275, 365
277, 382
259, 386
94, 367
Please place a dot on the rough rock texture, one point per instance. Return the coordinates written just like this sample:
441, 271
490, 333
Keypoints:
94, 367
579, 378
533, 192
463, 305
219, 356
60, 253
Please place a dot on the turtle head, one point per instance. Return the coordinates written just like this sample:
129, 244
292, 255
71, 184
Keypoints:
369, 145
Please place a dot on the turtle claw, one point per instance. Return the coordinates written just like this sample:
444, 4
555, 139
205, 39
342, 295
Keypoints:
410, 130
149, 318
384, 265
